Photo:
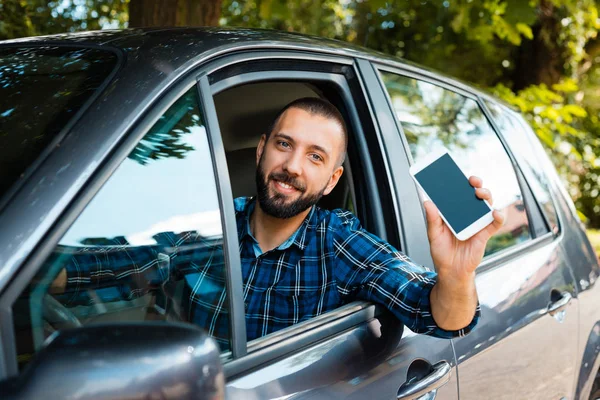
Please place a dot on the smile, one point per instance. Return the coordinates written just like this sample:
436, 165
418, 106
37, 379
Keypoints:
284, 187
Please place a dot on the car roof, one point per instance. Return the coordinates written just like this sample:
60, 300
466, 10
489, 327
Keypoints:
189, 42
178, 45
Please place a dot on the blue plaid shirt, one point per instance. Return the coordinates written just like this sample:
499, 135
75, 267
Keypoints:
329, 261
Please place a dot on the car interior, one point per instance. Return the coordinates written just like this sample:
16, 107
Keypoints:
245, 111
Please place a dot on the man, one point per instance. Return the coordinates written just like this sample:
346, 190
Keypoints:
299, 261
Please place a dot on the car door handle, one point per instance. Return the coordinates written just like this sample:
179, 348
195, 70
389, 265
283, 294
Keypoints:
560, 304
438, 377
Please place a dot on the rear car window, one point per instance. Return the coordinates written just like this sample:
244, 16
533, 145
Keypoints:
434, 118
41, 89
520, 138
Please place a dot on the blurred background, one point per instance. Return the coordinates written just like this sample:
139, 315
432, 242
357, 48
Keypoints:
541, 56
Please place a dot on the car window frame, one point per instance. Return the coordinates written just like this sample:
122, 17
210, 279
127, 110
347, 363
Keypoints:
299, 336
104, 171
504, 255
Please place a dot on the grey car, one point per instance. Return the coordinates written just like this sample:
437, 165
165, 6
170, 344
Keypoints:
132, 145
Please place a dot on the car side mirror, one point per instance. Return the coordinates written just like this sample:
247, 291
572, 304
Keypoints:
123, 361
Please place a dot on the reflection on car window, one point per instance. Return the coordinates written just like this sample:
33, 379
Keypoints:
149, 246
41, 89
519, 136
434, 118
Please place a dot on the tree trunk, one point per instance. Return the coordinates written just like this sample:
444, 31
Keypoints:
540, 60
153, 13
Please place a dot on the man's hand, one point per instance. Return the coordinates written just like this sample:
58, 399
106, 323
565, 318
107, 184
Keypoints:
454, 298
59, 284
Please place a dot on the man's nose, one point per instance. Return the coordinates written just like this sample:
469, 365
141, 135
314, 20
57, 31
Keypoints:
293, 164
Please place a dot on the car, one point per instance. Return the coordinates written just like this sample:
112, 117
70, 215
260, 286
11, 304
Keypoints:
131, 145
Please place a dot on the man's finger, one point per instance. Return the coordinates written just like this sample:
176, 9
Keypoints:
484, 194
496, 223
476, 181
434, 222
486, 233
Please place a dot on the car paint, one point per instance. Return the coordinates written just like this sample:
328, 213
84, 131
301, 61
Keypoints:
157, 62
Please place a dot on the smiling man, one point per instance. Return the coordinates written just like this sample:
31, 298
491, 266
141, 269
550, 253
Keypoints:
299, 261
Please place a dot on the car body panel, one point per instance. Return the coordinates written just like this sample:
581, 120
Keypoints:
516, 336
368, 361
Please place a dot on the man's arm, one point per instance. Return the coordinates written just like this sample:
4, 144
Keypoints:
82, 269
369, 268
454, 296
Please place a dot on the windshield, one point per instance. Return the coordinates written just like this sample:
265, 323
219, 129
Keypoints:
41, 89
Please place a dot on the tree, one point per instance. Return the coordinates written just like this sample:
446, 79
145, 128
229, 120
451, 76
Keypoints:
144, 13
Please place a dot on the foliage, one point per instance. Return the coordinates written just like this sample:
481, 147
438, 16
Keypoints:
538, 55
37, 17
547, 111
167, 138
594, 236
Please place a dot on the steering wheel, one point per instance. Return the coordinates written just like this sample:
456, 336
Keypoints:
56, 315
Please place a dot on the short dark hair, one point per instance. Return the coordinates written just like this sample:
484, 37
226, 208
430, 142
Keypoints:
315, 106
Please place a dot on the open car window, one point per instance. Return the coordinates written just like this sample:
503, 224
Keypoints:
148, 247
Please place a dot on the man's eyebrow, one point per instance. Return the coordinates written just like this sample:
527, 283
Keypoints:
284, 136
312, 146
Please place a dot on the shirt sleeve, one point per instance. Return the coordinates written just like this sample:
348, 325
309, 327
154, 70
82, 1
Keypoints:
368, 268
115, 273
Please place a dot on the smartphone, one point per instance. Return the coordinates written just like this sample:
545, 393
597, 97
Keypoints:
443, 182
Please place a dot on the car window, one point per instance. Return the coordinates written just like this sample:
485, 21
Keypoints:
148, 247
41, 89
519, 135
433, 118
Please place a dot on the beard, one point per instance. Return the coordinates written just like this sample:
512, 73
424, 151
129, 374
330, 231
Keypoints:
276, 205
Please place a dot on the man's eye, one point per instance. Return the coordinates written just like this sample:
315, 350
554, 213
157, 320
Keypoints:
283, 144
316, 157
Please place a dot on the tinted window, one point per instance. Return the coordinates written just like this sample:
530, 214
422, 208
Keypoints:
149, 246
519, 136
41, 89
434, 118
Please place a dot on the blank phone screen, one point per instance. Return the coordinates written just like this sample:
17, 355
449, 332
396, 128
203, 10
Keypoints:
451, 192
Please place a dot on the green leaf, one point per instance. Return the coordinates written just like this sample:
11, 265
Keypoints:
525, 30
575, 110
546, 137
566, 86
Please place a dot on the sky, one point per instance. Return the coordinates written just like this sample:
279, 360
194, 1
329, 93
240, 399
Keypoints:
168, 194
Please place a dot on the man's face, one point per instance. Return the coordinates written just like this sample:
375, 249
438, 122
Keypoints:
299, 163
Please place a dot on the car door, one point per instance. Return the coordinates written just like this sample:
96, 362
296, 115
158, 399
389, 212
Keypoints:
524, 345
359, 350
134, 260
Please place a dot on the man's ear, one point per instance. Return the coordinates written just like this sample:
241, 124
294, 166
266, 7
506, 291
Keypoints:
260, 148
337, 174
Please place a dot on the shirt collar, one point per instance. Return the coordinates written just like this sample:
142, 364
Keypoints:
297, 238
